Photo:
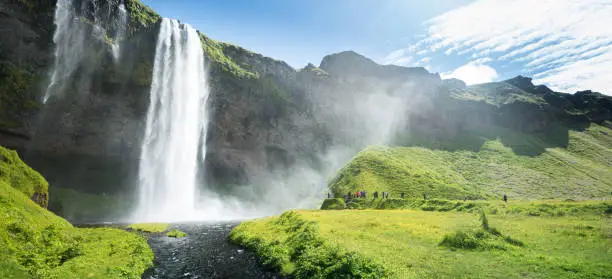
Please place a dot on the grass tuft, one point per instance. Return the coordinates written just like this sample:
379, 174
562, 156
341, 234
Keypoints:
176, 233
149, 227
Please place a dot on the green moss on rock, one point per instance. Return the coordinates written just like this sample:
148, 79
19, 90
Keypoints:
23, 178
215, 51
140, 15
15, 97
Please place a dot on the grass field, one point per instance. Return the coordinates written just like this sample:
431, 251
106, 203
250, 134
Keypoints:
406, 243
582, 170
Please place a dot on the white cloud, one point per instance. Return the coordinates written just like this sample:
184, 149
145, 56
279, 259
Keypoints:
574, 36
472, 73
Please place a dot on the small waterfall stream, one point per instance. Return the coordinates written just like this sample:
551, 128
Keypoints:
69, 39
120, 29
175, 126
81, 27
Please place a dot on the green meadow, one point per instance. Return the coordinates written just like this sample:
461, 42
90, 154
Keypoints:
431, 244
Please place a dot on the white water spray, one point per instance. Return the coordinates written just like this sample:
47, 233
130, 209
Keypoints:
176, 125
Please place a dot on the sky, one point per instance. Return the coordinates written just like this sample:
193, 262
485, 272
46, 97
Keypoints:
565, 44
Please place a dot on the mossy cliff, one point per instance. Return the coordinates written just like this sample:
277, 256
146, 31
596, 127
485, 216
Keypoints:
35, 243
15, 172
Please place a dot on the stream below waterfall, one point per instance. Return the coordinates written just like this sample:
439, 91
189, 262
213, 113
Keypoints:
204, 253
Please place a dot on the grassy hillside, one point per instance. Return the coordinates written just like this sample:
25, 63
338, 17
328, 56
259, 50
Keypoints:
35, 243
581, 170
414, 244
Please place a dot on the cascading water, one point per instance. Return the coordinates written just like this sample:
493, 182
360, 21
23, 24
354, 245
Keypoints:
69, 42
175, 127
79, 26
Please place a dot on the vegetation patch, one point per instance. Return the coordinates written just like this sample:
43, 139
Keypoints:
16, 99
333, 204
149, 227
141, 16
215, 51
485, 238
293, 245
176, 233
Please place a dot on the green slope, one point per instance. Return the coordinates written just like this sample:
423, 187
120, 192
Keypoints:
23, 178
35, 243
582, 170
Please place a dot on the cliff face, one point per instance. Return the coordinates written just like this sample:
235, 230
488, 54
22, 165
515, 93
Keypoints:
268, 120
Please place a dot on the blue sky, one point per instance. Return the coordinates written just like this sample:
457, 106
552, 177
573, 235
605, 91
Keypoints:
565, 44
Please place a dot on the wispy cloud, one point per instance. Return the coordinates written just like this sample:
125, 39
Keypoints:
566, 44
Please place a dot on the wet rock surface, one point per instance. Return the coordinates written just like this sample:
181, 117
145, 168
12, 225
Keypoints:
204, 253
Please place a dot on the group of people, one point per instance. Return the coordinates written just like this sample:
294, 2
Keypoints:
364, 194
358, 194
385, 195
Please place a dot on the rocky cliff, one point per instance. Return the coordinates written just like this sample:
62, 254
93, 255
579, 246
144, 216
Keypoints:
269, 121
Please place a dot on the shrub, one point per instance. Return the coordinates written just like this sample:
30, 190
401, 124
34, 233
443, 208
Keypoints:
331, 204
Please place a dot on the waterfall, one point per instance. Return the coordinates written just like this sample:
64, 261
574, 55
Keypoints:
69, 39
175, 129
80, 27
119, 31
